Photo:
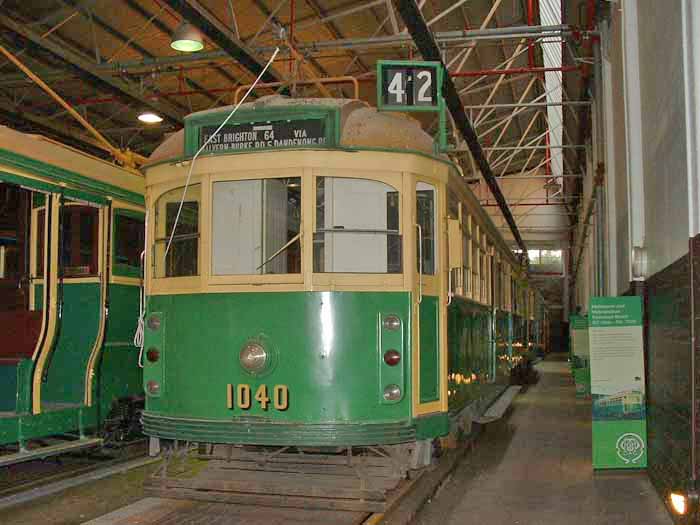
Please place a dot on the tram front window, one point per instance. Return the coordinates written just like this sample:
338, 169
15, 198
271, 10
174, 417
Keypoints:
357, 226
256, 227
182, 259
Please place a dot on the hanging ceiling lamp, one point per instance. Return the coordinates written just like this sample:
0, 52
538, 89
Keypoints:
187, 39
149, 117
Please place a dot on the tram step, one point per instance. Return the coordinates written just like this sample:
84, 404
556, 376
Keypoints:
48, 451
499, 407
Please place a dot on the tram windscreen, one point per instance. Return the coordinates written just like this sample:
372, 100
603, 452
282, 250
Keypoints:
357, 226
182, 259
256, 227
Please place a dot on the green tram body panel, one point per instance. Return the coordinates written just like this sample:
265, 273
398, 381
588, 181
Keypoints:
328, 350
118, 373
75, 339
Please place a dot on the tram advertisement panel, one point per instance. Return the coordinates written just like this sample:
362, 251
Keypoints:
617, 383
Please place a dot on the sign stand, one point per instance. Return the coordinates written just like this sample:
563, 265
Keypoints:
617, 383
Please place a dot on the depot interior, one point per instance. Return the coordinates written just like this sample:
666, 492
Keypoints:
586, 112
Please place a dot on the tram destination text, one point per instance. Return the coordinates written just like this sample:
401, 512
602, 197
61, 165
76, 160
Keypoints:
265, 135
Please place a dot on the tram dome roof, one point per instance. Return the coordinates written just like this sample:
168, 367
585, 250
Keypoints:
361, 126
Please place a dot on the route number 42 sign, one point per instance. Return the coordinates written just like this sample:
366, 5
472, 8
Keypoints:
409, 86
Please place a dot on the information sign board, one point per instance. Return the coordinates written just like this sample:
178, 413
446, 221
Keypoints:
617, 383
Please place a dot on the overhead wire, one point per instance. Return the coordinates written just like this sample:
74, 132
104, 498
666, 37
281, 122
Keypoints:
206, 143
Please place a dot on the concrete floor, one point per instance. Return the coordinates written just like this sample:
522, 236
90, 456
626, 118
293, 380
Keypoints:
534, 468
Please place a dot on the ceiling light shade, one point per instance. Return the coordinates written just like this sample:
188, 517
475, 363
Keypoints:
149, 117
187, 39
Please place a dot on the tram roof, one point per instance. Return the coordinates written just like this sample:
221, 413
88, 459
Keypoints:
361, 126
42, 155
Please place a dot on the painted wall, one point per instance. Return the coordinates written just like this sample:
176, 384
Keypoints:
616, 159
663, 131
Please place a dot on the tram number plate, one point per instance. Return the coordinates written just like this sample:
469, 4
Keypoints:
242, 397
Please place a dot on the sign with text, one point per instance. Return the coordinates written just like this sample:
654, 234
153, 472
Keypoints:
580, 354
617, 383
265, 135
409, 86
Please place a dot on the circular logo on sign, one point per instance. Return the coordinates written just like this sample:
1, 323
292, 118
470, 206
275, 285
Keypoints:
630, 447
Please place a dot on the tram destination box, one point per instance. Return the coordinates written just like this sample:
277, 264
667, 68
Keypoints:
265, 135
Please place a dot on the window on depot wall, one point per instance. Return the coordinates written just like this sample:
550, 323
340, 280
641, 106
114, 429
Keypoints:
546, 261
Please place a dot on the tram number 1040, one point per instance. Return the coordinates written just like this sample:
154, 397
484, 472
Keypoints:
242, 397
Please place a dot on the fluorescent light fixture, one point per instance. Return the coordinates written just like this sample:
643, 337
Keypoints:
187, 39
149, 117
679, 503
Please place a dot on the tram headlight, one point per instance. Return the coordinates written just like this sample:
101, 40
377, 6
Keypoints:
153, 388
392, 393
679, 503
253, 357
153, 322
392, 357
392, 323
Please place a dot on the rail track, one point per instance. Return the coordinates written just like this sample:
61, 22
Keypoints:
401, 505
27, 476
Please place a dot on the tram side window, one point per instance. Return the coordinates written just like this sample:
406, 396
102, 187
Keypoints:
357, 226
466, 260
425, 213
128, 242
476, 266
79, 238
256, 227
182, 258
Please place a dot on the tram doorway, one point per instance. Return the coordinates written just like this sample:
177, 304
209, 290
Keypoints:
20, 324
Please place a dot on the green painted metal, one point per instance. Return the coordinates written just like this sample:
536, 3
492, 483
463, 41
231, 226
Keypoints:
65, 376
8, 387
118, 369
474, 371
331, 116
23, 427
326, 345
431, 426
258, 431
25, 368
58, 175
53, 188
429, 344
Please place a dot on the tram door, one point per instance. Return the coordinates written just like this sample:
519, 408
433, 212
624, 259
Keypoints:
427, 299
20, 322
59, 379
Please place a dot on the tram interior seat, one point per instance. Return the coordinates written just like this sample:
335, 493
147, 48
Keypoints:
19, 331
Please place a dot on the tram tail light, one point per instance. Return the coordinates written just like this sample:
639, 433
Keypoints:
153, 388
392, 357
152, 354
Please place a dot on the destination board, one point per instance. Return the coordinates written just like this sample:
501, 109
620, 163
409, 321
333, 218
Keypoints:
265, 135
